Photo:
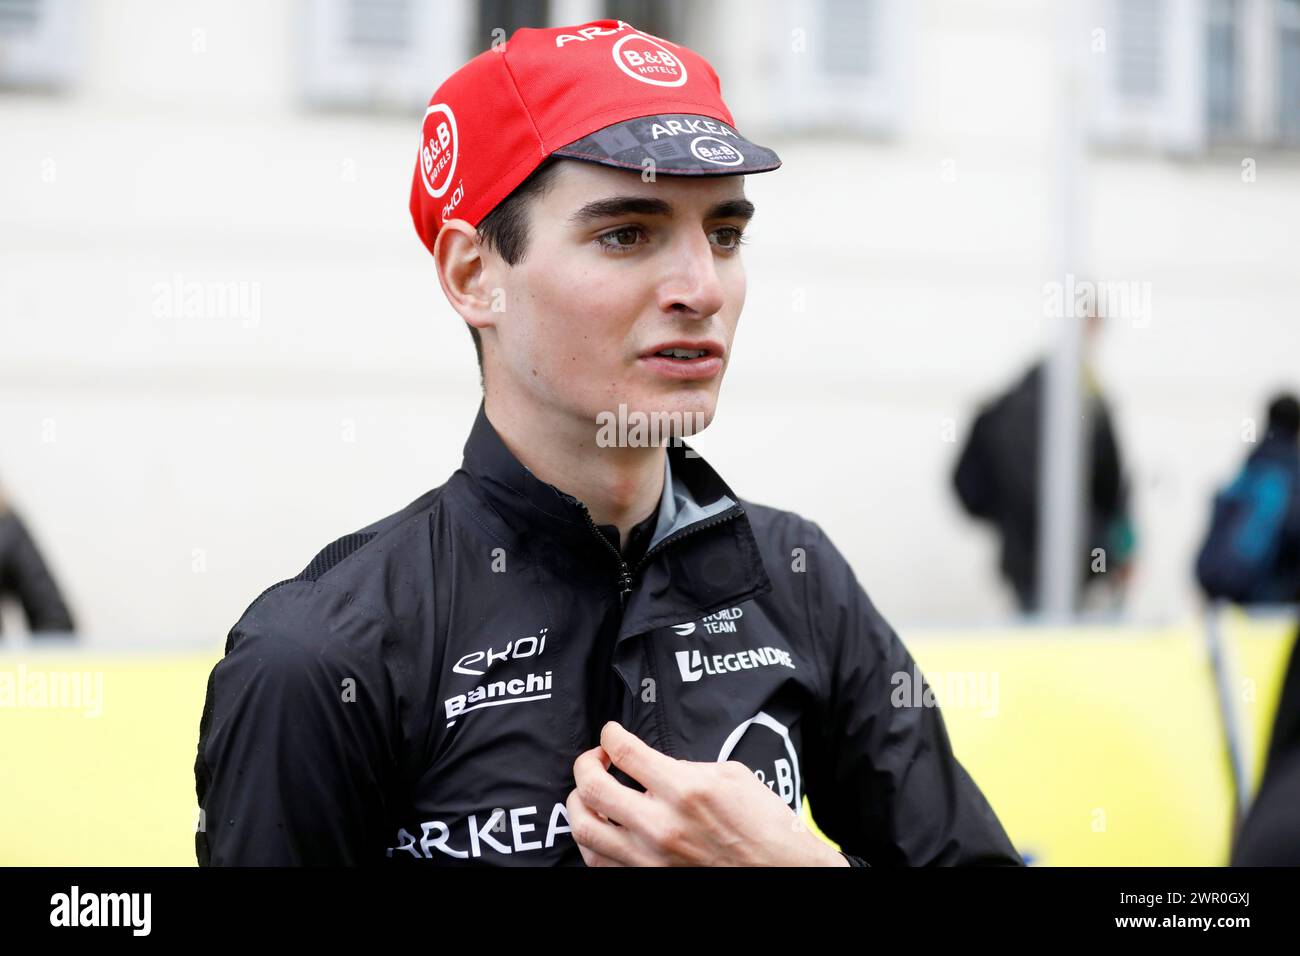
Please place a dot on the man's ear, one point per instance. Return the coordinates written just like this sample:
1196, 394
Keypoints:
466, 275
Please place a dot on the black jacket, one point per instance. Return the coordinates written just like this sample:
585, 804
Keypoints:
23, 574
996, 479
1270, 834
421, 690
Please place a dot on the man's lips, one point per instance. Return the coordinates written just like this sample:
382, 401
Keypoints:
710, 346
700, 366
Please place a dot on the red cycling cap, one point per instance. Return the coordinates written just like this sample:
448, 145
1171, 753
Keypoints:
602, 92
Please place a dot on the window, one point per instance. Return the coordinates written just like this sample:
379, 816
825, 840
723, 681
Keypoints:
377, 26
380, 54
1222, 58
837, 64
1139, 49
1150, 75
500, 18
1183, 74
660, 18
851, 31
391, 54
1288, 71
38, 43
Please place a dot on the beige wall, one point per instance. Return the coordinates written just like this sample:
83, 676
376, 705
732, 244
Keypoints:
173, 467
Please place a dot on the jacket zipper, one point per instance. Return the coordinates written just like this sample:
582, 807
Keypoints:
626, 574
686, 532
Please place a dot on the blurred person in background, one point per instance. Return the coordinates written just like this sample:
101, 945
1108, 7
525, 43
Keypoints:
25, 576
1251, 552
996, 480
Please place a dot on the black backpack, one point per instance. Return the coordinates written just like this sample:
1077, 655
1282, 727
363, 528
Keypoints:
1238, 560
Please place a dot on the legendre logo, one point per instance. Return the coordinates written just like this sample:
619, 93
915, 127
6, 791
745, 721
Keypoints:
695, 665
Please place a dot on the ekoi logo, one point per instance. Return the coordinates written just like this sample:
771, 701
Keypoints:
478, 663
534, 686
649, 61
439, 151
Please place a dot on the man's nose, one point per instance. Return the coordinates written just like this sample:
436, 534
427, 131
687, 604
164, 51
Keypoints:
694, 288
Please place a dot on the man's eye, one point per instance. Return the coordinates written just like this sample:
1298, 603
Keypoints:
735, 236
621, 239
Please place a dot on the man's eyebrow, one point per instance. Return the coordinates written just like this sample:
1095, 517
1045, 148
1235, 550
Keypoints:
732, 209
648, 206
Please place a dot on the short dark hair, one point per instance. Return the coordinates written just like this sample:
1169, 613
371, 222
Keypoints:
1284, 415
505, 229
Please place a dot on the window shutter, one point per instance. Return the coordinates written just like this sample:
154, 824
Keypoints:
38, 43
380, 54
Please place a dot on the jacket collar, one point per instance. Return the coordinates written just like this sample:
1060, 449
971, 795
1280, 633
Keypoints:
708, 541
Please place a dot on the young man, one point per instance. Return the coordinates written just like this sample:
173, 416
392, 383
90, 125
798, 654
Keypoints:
996, 480
584, 646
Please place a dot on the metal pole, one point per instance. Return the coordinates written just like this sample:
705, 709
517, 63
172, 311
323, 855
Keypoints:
1061, 460
1234, 732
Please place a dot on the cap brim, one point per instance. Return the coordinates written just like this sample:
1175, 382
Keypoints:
677, 144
